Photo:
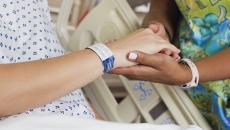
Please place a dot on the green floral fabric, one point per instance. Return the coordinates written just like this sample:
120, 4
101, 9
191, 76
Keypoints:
204, 32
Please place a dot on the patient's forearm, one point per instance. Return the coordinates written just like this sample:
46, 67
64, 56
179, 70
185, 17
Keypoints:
31, 84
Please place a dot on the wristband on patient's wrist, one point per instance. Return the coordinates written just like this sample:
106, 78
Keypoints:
105, 54
195, 74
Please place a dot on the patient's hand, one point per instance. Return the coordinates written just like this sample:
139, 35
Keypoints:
159, 29
144, 40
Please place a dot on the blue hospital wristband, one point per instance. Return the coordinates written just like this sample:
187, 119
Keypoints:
105, 54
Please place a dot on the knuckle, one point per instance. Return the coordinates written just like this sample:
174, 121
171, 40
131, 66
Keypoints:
140, 56
167, 45
146, 59
148, 31
162, 59
148, 38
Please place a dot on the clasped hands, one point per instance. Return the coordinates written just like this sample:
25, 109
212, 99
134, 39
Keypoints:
163, 67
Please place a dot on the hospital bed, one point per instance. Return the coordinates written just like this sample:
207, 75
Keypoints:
70, 14
145, 101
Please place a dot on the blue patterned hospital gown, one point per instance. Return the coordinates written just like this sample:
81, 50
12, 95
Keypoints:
26, 34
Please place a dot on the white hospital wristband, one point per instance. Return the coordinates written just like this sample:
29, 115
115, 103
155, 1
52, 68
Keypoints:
105, 54
195, 74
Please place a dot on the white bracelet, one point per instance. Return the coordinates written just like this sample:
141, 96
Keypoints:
105, 54
195, 74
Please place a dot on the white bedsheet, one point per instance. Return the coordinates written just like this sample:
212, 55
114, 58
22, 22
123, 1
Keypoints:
60, 122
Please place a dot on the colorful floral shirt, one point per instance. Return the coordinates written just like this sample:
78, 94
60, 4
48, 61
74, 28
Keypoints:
205, 31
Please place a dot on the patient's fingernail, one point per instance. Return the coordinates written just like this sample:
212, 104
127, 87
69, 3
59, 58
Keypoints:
132, 56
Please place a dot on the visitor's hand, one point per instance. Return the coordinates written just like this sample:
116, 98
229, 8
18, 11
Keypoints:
159, 29
159, 68
142, 40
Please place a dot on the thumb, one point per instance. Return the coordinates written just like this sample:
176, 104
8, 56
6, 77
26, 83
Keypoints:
146, 59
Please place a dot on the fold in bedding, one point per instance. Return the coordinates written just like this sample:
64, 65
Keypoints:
61, 122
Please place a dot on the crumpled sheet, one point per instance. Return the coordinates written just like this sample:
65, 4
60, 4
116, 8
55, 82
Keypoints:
61, 122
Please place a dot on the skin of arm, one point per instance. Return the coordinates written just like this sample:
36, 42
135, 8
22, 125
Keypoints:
31, 84
162, 68
216, 67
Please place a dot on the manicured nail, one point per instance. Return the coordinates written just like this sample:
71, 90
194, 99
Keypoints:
132, 56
